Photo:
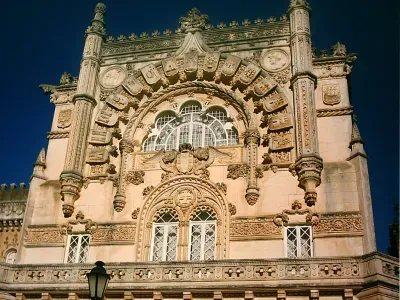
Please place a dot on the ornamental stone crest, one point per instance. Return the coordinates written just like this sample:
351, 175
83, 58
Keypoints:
331, 94
64, 118
193, 21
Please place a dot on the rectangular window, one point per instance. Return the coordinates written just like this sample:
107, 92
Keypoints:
165, 238
202, 240
298, 241
78, 248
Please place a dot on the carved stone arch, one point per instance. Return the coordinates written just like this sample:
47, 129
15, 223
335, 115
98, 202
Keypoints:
239, 83
167, 194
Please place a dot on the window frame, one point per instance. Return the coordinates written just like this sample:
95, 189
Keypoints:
79, 245
8, 253
166, 226
203, 225
298, 241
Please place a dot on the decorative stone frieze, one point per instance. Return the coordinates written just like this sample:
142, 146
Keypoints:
253, 229
114, 233
339, 224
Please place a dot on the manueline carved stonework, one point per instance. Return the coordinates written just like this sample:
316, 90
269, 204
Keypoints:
64, 118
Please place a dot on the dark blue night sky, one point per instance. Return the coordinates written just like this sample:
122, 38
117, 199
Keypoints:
42, 39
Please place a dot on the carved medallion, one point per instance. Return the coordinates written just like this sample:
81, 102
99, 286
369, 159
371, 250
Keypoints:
64, 118
100, 137
185, 197
170, 67
150, 74
190, 62
274, 102
117, 101
274, 60
113, 77
133, 85
280, 121
331, 94
97, 155
231, 64
107, 118
249, 73
211, 61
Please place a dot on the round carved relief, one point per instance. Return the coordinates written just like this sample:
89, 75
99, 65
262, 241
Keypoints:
113, 77
274, 60
185, 197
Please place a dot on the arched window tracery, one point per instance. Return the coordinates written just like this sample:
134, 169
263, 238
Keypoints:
193, 125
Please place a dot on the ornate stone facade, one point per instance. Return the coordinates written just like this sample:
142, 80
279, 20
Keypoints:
208, 149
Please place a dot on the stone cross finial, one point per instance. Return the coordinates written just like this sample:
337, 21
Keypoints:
193, 21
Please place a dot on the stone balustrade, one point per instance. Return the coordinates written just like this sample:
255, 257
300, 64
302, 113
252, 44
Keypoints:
332, 273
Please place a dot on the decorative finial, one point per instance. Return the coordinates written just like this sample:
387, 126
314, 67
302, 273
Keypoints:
339, 49
97, 25
299, 3
193, 21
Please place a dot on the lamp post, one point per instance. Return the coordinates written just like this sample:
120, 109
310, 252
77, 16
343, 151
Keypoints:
98, 279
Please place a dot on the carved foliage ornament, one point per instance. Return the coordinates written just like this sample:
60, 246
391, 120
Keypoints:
89, 225
194, 20
283, 218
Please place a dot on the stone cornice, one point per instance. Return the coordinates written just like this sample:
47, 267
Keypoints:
323, 272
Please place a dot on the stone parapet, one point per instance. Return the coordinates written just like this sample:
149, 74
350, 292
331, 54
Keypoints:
324, 273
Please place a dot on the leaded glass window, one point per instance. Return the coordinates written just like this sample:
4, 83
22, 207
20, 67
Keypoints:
78, 248
165, 238
192, 125
202, 236
298, 241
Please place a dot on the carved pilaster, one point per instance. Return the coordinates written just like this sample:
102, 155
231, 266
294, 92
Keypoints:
72, 175
303, 83
125, 148
252, 140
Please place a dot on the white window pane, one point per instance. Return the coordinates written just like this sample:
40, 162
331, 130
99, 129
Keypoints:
197, 135
195, 243
305, 242
163, 120
73, 249
209, 138
171, 243
184, 134
209, 245
291, 242
84, 248
219, 114
190, 107
158, 243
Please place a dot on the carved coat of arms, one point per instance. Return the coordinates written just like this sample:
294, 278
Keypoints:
331, 94
64, 118
186, 161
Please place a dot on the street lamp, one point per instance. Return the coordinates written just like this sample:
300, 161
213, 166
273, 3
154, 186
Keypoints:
98, 279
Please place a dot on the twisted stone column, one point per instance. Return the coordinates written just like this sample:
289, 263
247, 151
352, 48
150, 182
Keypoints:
125, 148
72, 175
303, 83
252, 140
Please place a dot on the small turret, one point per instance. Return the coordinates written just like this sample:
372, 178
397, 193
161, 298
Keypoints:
356, 143
39, 166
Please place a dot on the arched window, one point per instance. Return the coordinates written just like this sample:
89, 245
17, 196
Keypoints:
165, 237
202, 236
194, 126
11, 256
